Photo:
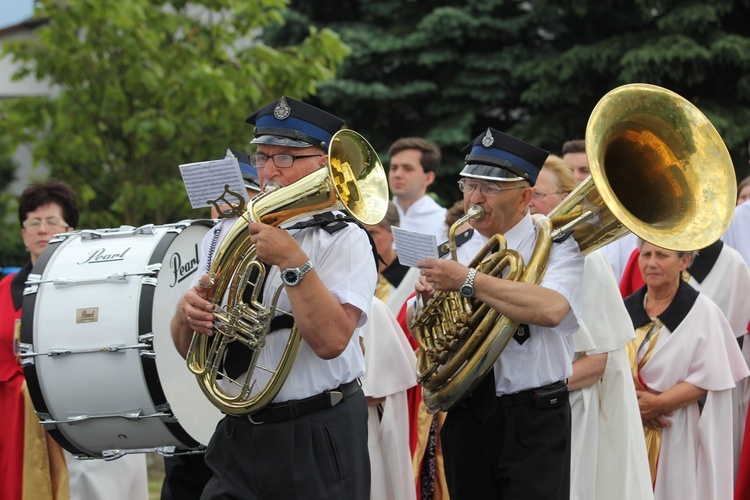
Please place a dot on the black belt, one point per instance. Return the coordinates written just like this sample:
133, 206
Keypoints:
279, 412
530, 394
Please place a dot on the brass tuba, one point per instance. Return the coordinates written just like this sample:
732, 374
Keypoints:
354, 182
658, 168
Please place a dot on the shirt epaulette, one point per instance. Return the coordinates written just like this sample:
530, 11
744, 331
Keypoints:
444, 248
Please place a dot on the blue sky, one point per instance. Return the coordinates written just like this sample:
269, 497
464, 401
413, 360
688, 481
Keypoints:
14, 11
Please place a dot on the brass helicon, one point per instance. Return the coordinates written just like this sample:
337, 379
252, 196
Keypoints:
658, 168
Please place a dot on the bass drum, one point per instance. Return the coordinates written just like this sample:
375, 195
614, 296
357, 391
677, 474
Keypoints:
96, 348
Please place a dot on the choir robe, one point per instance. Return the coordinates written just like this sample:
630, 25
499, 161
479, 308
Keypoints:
608, 453
720, 272
695, 345
390, 372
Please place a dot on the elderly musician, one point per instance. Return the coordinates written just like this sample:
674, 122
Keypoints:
311, 441
511, 437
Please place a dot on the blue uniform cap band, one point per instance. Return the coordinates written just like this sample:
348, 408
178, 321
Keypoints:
291, 128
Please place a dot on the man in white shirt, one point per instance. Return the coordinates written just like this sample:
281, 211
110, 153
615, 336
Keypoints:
511, 437
311, 441
414, 163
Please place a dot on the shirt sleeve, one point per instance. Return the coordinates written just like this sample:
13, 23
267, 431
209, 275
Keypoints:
564, 275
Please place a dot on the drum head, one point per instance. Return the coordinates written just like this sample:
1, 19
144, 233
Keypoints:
194, 411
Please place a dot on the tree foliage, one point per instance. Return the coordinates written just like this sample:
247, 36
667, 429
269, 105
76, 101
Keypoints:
142, 86
446, 70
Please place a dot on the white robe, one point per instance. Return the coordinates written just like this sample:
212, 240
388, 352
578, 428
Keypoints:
608, 453
728, 285
738, 232
123, 479
618, 253
695, 459
391, 370
398, 295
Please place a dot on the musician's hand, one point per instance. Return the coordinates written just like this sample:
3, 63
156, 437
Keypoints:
424, 289
275, 246
445, 275
194, 308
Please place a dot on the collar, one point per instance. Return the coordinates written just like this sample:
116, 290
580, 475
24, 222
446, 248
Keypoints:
705, 261
672, 316
424, 205
517, 233
395, 272
18, 284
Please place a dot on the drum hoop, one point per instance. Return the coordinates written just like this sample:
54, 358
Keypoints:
27, 337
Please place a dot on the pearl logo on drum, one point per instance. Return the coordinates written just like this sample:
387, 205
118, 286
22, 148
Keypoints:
181, 271
87, 315
100, 255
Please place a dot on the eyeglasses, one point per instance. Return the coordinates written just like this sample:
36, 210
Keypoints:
52, 223
281, 160
489, 190
540, 196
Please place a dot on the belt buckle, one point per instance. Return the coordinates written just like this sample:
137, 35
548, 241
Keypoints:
335, 396
250, 419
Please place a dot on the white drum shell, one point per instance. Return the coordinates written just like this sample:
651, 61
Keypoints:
123, 386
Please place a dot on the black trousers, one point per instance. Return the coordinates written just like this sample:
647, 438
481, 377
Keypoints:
322, 455
184, 477
519, 453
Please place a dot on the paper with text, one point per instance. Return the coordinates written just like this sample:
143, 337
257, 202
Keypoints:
412, 247
205, 180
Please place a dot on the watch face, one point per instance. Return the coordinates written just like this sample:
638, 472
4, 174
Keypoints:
467, 290
290, 276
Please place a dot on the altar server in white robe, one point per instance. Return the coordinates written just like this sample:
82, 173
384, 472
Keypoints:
390, 371
720, 272
684, 350
608, 454
738, 232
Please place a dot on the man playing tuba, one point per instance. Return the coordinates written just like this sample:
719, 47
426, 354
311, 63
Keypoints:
511, 437
311, 441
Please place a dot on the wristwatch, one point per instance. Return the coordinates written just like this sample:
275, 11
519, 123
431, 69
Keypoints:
467, 289
293, 275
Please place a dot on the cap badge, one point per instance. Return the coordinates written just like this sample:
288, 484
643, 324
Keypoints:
282, 110
488, 140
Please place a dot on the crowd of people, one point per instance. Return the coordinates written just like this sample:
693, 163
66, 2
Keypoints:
625, 377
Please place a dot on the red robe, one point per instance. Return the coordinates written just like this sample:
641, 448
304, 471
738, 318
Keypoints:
11, 398
632, 279
32, 465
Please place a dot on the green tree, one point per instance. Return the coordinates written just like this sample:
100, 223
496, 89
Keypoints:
701, 50
142, 86
446, 70
11, 248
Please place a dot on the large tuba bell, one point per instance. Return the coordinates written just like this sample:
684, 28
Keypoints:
658, 168
355, 182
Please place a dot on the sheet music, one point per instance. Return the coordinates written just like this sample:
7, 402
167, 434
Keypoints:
205, 180
412, 247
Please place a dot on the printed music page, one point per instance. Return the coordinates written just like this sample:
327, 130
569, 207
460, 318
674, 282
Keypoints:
412, 247
206, 180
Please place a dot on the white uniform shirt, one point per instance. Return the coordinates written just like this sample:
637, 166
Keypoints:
424, 216
547, 356
336, 258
